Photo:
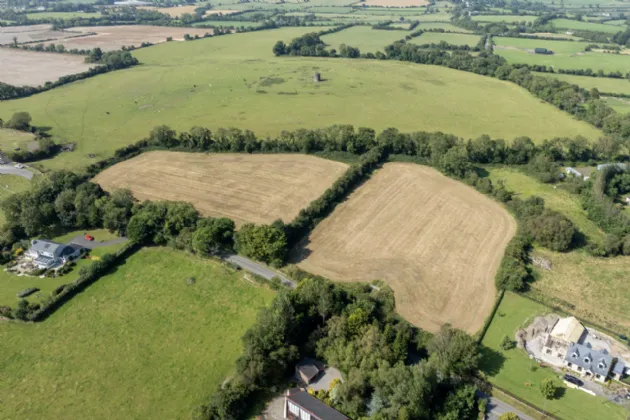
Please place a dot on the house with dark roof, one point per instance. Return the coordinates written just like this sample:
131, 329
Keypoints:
589, 363
48, 254
300, 405
619, 370
308, 369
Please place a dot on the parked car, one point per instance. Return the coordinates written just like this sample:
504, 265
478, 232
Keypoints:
572, 379
89, 237
19, 166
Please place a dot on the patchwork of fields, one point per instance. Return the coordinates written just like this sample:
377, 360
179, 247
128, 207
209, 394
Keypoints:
435, 241
235, 81
139, 343
242, 187
364, 38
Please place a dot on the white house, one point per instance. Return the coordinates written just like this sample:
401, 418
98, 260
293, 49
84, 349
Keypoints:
48, 254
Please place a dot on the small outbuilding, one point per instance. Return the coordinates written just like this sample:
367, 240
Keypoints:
542, 51
308, 369
317, 77
619, 370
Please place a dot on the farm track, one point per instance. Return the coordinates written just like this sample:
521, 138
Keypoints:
435, 241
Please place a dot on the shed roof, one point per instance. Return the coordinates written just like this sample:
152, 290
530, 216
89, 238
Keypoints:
619, 367
313, 405
568, 329
309, 367
596, 361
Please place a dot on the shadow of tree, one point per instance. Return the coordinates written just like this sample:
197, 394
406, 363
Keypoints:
492, 361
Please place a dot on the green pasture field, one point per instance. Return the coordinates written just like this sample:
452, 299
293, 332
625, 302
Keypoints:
557, 199
364, 38
587, 287
439, 25
621, 105
404, 26
10, 284
514, 371
13, 139
139, 343
504, 18
235, 81
455, 39
603, 84
584, 26
388, 10
9, 185
568, 55
329, 9
620, 22
62, 15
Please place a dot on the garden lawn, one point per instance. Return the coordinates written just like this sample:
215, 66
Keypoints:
567, 55
139, 343
585, 26
557, 199
602, 84
10, 284
515, 372
235, 81
13, 139
364, 38
454, 39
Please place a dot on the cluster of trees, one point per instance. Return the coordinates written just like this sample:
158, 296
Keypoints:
311, 45
357, 330
608, 215
46, 147
109, 61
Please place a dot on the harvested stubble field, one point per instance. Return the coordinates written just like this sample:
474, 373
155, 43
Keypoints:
33, 33
110, 38
394, 3
245, 188
435, 241
32, 68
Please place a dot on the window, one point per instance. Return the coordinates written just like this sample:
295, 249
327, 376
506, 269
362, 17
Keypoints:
304, 415
601, 366
570, 364
587, 360
294, 409
598, 376
579, 369
548, 351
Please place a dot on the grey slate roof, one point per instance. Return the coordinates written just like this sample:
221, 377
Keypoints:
41, 245
314, 406
598, 362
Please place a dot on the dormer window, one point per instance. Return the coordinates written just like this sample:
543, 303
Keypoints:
587, 360
574, 355
601, 365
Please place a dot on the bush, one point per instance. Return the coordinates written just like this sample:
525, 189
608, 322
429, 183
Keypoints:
551, 230
509, 416
27, 292
514, 272
507, 344
548, 388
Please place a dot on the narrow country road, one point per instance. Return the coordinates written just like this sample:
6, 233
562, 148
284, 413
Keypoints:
496, 407
12, 170
258, 269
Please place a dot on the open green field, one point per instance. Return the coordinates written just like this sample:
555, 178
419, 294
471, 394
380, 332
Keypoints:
603, 84
515, 372
226, 23
10, 284
619, 22
235, 81
454, 39
62, 15
504, 18
139, 343
557, 199
621, 105
441, 25
585, 26
364, 38
587, 287
13, 139
568, 55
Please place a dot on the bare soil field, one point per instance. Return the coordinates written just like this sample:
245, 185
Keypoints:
393, 3
110, 38
245, 188
31, 68
33, 33
178, 11
435, 241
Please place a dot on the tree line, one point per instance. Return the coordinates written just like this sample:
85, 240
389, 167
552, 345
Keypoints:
46, 147
354, 328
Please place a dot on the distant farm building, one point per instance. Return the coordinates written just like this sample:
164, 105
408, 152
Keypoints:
542, 51
582, 173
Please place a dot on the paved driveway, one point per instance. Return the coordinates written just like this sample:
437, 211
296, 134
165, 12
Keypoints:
9, 169
258, 269
81, 241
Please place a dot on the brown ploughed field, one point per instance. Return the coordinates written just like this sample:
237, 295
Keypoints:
32, 68
435, 241
245, 188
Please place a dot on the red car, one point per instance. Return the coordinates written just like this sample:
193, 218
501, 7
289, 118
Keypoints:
89, 237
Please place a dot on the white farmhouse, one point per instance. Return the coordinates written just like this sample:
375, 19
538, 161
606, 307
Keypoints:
48, 254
